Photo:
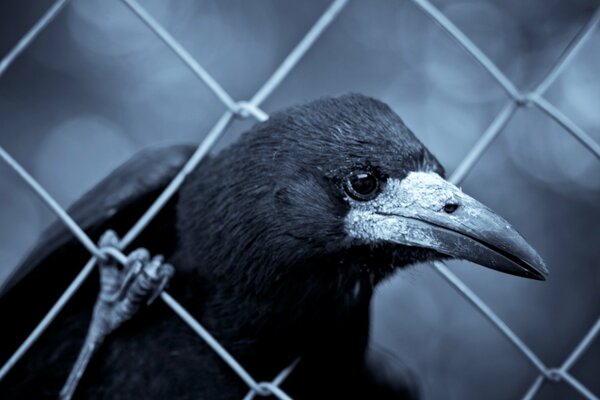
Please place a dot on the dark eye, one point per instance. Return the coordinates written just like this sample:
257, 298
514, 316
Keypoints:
362, 185
450, 207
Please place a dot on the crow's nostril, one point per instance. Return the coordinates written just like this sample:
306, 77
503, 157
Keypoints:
450, 207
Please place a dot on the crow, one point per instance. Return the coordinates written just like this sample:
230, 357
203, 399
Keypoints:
278, 243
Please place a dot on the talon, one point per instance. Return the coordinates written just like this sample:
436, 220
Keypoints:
133, 269
165, 273
140, 254
153, 267
109, 239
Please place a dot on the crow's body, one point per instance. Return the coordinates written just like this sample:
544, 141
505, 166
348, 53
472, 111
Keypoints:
259, 236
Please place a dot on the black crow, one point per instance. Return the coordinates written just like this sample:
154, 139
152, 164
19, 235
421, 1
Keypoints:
278, 243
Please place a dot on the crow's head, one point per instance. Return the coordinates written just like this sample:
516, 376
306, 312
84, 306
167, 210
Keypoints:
338, 186
347, 173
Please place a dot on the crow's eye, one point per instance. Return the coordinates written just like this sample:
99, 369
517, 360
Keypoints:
362, 185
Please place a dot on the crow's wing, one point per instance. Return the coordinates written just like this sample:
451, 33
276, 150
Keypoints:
115, 203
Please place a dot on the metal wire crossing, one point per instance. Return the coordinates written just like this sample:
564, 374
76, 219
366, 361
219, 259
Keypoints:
251, 108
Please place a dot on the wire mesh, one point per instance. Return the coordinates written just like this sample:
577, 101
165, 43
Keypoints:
251, 108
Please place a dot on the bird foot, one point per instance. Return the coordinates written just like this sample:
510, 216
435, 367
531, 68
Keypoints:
123, 290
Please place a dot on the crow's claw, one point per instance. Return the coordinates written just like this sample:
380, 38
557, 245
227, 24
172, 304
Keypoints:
159, 275
123, 290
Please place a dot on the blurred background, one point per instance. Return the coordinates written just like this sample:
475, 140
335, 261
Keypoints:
97, 86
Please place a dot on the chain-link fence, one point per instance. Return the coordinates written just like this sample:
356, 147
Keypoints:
251, 108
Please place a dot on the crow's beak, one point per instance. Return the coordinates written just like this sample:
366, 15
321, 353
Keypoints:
424, 210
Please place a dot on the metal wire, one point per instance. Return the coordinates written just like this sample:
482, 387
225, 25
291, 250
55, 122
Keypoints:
262, 389
51, 203
299, 51
535, 387
30, 36
48, 318
490, 315
534, 97
491, 133
282, 376
182, 54
568, 124
585, 392
251, 108
581, 347
569, 53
